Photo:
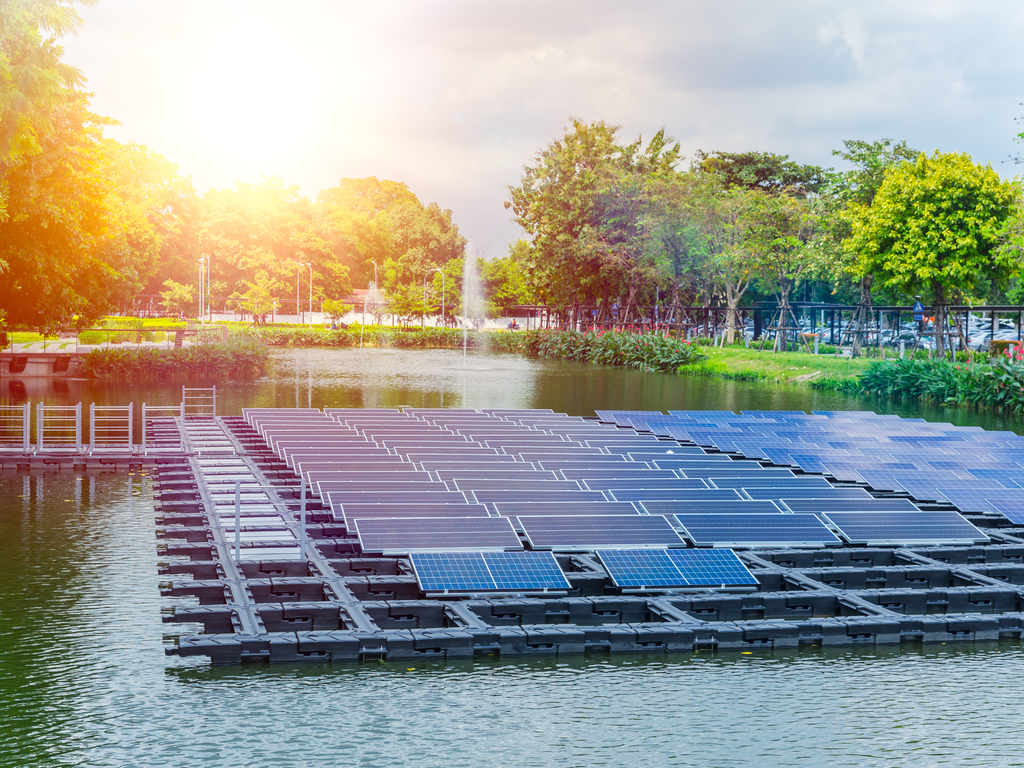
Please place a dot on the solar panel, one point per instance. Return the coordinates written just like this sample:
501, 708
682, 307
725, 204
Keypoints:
1011, 509
640, 494
602, 461
514, 508
492, 497
487, 571
979, 499
401, 536
616, 471
346, 512
580, 533
906, 528
611, 483
716, 506
487, 484
756, 530
668, 568
827, 505
335, 498
807, 493
796, 483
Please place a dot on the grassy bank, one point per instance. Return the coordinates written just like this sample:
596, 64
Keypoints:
819, 371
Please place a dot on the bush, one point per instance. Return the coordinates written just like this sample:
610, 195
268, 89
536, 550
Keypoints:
999, 384
237, 358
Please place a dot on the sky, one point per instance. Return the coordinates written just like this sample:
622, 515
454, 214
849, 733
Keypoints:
454, 97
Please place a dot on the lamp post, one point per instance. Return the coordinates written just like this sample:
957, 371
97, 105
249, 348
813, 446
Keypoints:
310, 292
435, 269
202, 285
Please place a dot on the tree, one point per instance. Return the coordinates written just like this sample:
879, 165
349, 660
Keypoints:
63, 239
934, 227
763, 171
335, 310
780, 228
178, 299
34, 82
581, 204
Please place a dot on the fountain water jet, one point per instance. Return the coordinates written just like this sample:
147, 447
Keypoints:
474, 307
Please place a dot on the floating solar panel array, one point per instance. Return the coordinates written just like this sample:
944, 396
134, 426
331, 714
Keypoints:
903, 463
458, 481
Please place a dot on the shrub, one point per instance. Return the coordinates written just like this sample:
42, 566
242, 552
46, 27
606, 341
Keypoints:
237, 358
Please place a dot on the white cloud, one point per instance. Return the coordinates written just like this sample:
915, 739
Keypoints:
454, 97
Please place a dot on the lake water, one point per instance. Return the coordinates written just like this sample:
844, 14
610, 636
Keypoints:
84, 680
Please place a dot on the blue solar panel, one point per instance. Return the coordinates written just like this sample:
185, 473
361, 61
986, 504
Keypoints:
577, 533
756, 530
1011, 509
979, 499
906, 528
400, 536
666, 568
487, 571
641, 494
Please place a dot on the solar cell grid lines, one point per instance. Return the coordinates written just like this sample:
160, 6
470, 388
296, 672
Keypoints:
795, 492
714, 506
577, 533
816, 506
641, 569
613, 483
402, 536
345, 512
683, 494
487, 572
788, 483
616, 471
562, 508
756, 530
979, 499
1011, 509
487, 484
906, 528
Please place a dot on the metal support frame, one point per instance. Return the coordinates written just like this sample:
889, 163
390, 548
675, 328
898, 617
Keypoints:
112, 419
57, 419
238, 517
15, 419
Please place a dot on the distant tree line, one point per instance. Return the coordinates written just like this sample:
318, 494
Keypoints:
623, 225
88, 223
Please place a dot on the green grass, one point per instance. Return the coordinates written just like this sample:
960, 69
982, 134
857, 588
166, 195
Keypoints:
777, 367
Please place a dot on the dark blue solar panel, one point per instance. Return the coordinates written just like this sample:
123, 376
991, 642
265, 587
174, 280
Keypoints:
579, 533
639, 568
715, 506
640, 494
400, 536
807, 493
611, 483
979, 499
905, 528
487, 571
815, 506
756, 530
515, 508
1011, 509
794, 483
525, 570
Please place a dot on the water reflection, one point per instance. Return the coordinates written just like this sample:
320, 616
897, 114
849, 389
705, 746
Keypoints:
440, 378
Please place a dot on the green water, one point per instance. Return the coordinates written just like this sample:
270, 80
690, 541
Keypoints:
84, 680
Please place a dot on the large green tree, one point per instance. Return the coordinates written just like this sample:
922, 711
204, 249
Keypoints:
933, 228
34, 82
583, 203
64, 237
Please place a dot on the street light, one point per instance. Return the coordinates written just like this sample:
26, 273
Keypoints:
435, 269
202, 286
298, 277
310, 292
